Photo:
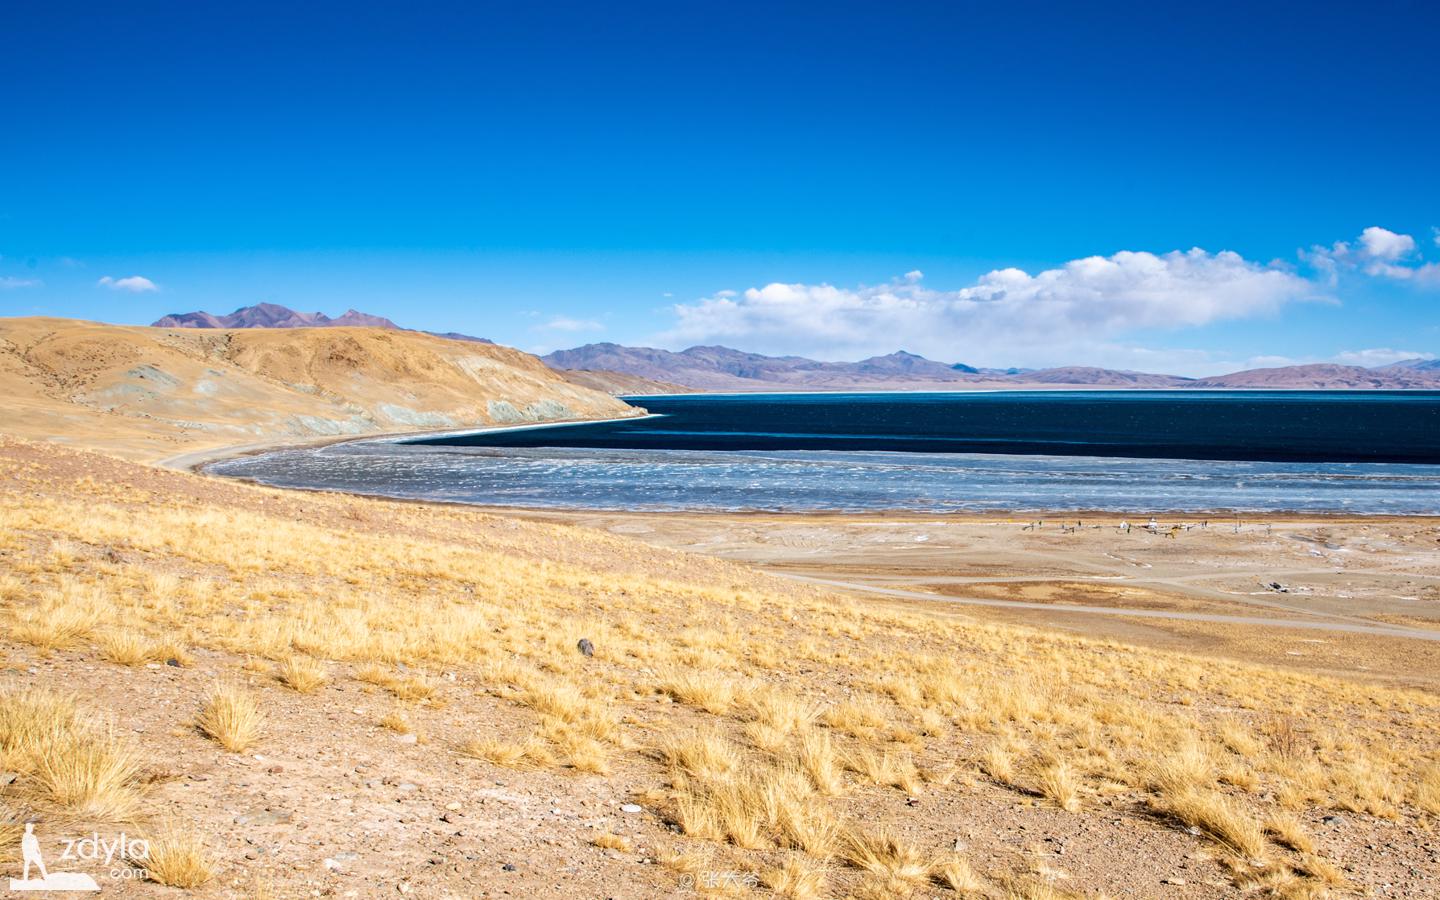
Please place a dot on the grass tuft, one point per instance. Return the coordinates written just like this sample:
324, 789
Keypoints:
302, 673
231, 717
177, 858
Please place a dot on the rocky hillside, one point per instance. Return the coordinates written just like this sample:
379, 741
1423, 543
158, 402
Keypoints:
153, 392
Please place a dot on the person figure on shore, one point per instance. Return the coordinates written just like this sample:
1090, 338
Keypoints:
30, 850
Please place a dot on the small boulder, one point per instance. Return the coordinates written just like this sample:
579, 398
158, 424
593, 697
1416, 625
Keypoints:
585, 647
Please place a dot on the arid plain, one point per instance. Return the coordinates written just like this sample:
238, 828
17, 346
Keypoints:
1355, 596
302, 694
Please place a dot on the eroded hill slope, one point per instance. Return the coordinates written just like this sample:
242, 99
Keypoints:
151, 392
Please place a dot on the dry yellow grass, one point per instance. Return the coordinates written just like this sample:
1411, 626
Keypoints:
513, 755
881, 853
231, 717
302, 673
1217, 815
1427, 789
701, 754
710, 691
71, 763
608, 841
743, 703
818, 758
128, 648
398, 722
1059, 783
797, 878
177, 857
955, 873
1288, 830
999, 764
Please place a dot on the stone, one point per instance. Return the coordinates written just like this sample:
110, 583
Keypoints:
585, 647
407, 739
632, 808
508, 867
1175, 881
264, 817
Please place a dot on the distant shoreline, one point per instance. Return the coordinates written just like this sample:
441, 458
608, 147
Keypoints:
197, 460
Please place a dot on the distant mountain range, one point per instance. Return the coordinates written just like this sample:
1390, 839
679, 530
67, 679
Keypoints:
647, 370
273, 315
723, 369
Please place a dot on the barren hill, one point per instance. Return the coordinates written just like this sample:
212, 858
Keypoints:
724, 369
621, 382
1326, 377
151, 392
1095, 377
715, 368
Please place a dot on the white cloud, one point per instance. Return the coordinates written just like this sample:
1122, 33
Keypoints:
10, 283
569, 325
1376, 356
134, 284
1068, 314
1378, 252
1381, 243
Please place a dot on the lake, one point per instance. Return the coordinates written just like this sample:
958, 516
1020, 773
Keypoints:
1152, 451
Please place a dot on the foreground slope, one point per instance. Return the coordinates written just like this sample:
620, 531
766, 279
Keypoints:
150, 392
317, 694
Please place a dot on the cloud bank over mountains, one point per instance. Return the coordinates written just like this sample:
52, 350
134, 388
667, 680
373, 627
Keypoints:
1085, 309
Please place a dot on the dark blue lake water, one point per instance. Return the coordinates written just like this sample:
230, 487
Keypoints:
1293, 426
1356, 453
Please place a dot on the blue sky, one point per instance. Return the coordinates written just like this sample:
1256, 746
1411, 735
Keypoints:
552, 174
